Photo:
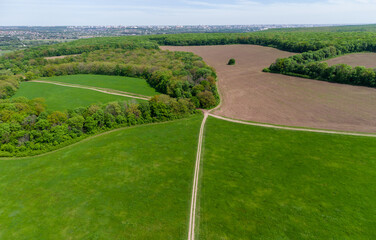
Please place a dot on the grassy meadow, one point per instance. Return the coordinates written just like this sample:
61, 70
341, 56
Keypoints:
259, 183
126, 84
133, 183
2, 52
62, 98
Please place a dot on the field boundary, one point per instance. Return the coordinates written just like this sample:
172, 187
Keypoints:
98, 89
292, 128
192, 216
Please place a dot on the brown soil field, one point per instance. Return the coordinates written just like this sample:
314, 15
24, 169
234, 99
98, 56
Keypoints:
367, 60
249, 94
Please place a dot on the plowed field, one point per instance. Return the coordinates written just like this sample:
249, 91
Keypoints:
249, 94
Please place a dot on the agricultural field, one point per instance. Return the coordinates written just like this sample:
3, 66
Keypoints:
122, 151
62, 98
250, 94
367, 60
106, 187
126, 84
278, 184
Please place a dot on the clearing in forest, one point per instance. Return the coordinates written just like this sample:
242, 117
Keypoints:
250, 94
62, 98
126, 84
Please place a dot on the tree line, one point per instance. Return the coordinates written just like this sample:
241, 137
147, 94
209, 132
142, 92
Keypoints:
27, 128
308, 65
8, 85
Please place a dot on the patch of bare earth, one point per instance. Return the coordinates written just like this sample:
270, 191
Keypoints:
367, 60
60, 57
249, 94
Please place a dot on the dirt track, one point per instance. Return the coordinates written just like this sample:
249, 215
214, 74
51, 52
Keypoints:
102, 90
60, 57
367, 60
249, 94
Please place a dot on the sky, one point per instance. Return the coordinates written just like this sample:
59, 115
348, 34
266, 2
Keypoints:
184, 12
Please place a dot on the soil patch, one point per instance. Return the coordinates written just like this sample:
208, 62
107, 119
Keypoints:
249, 94
59, 57
367, 60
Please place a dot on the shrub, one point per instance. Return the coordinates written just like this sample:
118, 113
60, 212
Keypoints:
206, 99
231, 61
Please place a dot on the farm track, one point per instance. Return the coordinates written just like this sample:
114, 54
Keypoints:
192, 216
98, 89
292, 128
191, 231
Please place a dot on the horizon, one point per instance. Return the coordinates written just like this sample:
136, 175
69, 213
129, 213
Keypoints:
200, 25
184, 12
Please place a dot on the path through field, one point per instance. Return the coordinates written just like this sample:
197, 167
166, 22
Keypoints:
192, 216
292, 128
97, 89
237, 85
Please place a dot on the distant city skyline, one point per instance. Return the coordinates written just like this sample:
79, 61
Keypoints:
184, 12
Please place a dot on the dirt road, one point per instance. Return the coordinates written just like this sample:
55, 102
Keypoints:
102, 90
192, 216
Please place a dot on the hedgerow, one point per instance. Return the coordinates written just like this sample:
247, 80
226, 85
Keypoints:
26, 128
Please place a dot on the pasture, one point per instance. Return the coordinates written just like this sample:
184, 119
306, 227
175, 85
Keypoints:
126, 84
278, 184
132, 183
62, 98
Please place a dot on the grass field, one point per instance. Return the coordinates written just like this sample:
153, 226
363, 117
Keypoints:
277, 184
2, 52
129, 184
126, 84
61, 98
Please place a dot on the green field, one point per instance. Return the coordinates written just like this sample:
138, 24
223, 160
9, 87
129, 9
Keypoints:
128, 184
126, 84
62, 98
278, 184
2, 52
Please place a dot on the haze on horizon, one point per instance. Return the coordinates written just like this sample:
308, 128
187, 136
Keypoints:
184, 12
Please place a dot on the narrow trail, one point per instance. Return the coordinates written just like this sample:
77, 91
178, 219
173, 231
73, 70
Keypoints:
292, 128
192, 217
97, 89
